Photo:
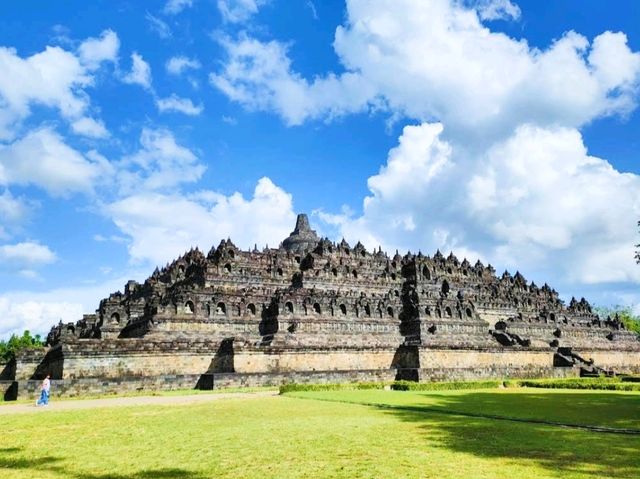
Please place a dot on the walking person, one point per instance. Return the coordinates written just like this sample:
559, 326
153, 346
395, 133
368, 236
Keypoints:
44, 392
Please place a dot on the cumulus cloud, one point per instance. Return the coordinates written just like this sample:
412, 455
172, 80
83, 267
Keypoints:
436, 59
140, 73
94, 51
201, 220
41, 158
173, 7
12, 209
236, 11
179, 64
176, 104
497, 10
37, 311
258, 75
55, 78
28, 253
562, 202
35, 316
159, 164
89, 127
536, 201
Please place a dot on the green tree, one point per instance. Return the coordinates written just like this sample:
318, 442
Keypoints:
631, 321
8, 349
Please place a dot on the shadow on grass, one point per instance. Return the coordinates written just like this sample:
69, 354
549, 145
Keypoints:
14, 458
165, 473
578, 407
10, 458
558, 449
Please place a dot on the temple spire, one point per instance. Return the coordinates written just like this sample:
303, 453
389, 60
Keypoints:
302, 238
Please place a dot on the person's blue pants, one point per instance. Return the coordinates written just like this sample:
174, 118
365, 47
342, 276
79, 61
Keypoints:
44, 398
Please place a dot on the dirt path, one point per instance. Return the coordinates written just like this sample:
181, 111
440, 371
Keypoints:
74, 405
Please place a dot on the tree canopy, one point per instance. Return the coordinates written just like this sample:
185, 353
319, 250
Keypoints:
630, 320
8, 349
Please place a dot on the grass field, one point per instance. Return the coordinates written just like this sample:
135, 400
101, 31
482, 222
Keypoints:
173, 392
316, 434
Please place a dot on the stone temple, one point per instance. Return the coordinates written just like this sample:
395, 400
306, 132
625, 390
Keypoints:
316, 311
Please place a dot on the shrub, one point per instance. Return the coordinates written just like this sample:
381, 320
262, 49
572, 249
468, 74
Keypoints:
630, 379
512, 383
606, 384
295, 387
444, 386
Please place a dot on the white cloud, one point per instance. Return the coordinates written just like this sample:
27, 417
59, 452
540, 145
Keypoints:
89, 127
173, 7
37, 311
258, 75
497, 10
311, 6
229, 120
29, 274
160, 27
42, 158
112, 238
12, 209
536, 201
26, 253
160, 164
35, 316
177, 65
140, 73
552, 196
236, 11
94, 51
202, 220
54, 78
436, 59
176, 104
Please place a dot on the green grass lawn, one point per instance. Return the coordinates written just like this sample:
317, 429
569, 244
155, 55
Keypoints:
173, 392
298, 436
580, 407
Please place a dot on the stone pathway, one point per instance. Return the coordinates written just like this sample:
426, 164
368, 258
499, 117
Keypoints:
77, 404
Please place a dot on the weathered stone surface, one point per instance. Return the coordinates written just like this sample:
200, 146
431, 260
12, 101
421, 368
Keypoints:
316, 310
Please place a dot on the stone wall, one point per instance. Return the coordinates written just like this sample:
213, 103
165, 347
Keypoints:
226, 380
308, 360
497, 358
28, 362
30, 389
137, 358
489, 372
620, 361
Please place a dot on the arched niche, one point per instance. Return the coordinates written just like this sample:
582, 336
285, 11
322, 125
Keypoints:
189, 307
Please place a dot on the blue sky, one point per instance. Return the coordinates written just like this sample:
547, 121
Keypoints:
131, 131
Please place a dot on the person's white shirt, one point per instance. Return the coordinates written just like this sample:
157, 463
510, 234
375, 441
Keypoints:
46, 384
